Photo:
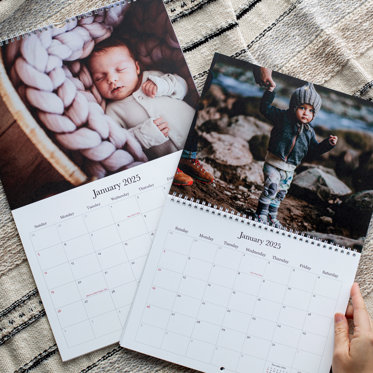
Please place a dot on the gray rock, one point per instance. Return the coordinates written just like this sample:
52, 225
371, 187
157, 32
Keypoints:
326, 220
251, 174
306, 166
247, 127
226, 150
355, 212
360, 202
315, 182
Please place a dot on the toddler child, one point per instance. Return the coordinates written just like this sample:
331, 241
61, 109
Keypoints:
148, 103
292, 138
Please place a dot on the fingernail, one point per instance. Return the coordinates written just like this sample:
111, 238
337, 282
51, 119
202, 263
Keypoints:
338, 317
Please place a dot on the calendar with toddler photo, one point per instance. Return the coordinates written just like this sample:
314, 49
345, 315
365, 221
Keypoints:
284, 152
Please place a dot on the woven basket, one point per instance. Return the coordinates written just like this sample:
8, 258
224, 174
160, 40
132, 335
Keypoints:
33, 130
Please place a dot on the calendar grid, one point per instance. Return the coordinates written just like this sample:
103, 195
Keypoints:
72, 273
287, 284
174, 301
202, 300
83, 264
105, 279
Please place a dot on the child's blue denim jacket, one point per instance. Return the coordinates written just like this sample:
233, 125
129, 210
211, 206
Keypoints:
290, 140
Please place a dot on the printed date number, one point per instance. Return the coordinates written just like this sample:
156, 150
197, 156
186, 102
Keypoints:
131, 179
275, 245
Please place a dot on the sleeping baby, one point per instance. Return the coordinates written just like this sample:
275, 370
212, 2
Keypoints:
148, 103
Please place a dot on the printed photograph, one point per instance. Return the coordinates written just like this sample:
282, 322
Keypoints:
104, 93
283, 151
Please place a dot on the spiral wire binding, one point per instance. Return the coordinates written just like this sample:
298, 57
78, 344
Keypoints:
242, 218
68, 20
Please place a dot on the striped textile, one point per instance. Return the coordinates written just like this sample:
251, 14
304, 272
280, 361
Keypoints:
327, 42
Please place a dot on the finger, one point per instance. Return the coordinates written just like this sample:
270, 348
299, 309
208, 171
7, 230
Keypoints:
272, 82
362, 319
158, 121
154, 91
350, 311
341, 338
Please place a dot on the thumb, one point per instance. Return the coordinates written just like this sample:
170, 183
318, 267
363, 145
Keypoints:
341, 340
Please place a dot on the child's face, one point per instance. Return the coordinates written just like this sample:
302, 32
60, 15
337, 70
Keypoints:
305, 113
115, 72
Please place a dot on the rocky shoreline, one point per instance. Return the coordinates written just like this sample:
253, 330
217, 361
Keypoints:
330, 198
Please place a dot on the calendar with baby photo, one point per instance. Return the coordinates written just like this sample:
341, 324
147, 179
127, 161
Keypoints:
283, 151
94, 115
106, 92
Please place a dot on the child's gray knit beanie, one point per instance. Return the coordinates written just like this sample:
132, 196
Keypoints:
306, 95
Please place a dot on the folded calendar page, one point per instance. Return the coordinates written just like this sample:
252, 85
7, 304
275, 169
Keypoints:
94, 117
259, 241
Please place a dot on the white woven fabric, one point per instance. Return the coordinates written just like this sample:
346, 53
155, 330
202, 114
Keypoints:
202, 26
8, 7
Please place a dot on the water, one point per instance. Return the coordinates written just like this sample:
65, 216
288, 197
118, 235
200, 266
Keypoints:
324, 118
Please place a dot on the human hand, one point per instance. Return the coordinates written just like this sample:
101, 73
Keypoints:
162, 126
353, 353
333, 140
264, 79
149, 88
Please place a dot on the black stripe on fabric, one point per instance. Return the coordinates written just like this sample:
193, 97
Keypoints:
22, 326
204, 73
209, 37
190, 11
366, 87
103, 358
37, 360
275, 23
247, 9
19, 302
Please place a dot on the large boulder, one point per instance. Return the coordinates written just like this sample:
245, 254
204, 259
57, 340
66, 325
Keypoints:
355, 212
226, 150
316, 183
306, 166
240, 126
246, 127
251, 174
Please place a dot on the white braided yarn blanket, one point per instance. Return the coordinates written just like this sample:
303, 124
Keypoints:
48, 72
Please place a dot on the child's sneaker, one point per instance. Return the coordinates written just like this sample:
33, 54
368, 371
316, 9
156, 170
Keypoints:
193, 168
261, 218
182, 179
276, 223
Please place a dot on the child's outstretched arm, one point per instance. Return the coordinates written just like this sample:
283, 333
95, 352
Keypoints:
159, 84
272, 113
324, 146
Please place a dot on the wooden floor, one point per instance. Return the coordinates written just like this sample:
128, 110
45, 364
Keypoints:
26, 175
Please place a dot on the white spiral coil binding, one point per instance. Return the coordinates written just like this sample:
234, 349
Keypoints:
233, 215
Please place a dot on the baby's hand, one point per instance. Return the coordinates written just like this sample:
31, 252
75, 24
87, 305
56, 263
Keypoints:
333, 140
150, 88
162, 126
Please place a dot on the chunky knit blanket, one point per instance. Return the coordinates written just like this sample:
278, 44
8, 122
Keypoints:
329, 43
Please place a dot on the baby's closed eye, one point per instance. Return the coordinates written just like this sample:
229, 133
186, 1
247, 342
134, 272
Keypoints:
98, 78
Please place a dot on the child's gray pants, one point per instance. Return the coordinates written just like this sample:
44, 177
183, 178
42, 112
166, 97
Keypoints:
276, 184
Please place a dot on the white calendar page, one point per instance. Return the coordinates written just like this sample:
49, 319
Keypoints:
222, 295
87, 248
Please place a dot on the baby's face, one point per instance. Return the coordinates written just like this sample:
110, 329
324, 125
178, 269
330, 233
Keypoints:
305, 113
115, 72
